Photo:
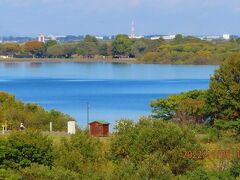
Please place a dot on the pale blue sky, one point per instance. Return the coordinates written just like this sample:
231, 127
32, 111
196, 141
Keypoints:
107, 17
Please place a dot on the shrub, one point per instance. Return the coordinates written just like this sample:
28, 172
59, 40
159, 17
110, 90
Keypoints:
21, 149
8, 174
164, 140
81, 153
40, 172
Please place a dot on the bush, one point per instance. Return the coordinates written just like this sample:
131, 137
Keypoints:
82, 154
40, 172
8, 174
151, 168
198, 174
235, 169
21, 149
164, 140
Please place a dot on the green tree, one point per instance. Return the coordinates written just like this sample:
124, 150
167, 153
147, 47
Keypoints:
56, 51
21, 149
224, 92
185, 107
87, 49
138, 47
69, 49
103, 49
178, 39
122, 45
90, 39
81, 153
50, 43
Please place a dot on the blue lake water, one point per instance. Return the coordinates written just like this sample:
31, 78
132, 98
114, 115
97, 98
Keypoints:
114, 91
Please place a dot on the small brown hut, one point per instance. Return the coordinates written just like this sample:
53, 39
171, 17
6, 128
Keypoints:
99, 129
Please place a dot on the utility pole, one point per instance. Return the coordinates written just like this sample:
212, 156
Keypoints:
88, 108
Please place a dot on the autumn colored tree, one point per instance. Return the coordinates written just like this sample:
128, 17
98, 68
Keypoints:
11, 49
35, 48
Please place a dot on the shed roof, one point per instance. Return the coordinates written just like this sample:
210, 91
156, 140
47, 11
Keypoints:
100, 122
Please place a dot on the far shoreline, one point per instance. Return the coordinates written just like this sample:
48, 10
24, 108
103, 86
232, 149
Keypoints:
84, 60
89, 60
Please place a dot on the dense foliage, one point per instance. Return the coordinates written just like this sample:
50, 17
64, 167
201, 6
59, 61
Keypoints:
185, 107
181, 50
151, 146
14, 112
224, 92
20, 150
84, 155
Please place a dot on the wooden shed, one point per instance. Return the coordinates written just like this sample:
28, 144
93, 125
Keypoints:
99, 129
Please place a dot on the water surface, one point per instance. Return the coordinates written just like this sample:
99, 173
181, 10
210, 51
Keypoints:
114, 91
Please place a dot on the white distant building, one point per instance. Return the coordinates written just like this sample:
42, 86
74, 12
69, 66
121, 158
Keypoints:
226, 36
169, 37
166, 37
155, 37
212, 37
43, 38
136, 37
99, 37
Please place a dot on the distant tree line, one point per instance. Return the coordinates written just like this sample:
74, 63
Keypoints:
181, 50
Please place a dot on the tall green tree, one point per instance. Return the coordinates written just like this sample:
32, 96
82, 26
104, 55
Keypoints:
122, 45
224, 92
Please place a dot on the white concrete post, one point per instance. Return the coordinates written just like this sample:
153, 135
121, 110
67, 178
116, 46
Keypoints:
50, 127
71, 127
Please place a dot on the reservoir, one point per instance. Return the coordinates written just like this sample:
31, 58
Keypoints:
113, 91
